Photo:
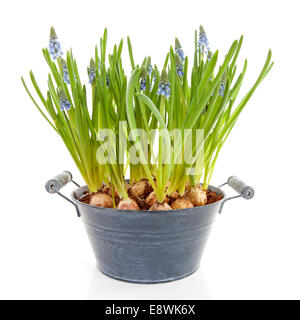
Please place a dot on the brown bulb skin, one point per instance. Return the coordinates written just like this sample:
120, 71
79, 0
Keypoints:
182, 203
141, 189
101, 200
151, 199
160, 206
128, 204
197, 196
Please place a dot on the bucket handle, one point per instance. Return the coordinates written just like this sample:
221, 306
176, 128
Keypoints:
58, 182
240, 187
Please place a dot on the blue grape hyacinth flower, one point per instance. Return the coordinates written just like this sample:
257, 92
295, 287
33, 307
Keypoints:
179, 66
66, 76
164, 85
150, 71
150, 68
54, 45
223, 83
143, 80
178, 50
91, 71
222, 89
64, 102
65, 72
203, 43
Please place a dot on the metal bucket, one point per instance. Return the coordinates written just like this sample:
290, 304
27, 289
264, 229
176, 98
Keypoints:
148, 246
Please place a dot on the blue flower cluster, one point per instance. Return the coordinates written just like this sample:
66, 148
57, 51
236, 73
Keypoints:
179, 66
150, 69
143, 79
66, 76
91, 71
164, 85
91, 76
203, 41
222, 89
143, 84
64, 102
65, 72
178, 50
223, 83
54, 45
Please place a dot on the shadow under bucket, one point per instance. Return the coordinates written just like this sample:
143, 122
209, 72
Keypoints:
147, 246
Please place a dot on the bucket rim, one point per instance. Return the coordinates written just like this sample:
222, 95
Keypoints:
149, 212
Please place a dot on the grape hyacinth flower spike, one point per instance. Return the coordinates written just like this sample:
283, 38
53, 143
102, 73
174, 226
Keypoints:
179, 66
54, 45
203, 41
178, 50
150, 68
154, 73
164, 85
143, 79
64, 69
223, 83
91, 71
209, 55
149, 72
64, 102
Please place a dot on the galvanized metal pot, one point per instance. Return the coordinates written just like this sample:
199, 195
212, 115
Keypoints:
147, 246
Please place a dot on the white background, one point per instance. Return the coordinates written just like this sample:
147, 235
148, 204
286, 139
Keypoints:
253, 251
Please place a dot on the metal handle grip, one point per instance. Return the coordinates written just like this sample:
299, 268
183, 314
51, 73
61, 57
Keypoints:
241, 187
58, 182
55, 184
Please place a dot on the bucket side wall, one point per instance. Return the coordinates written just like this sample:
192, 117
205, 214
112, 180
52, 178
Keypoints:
148, 247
